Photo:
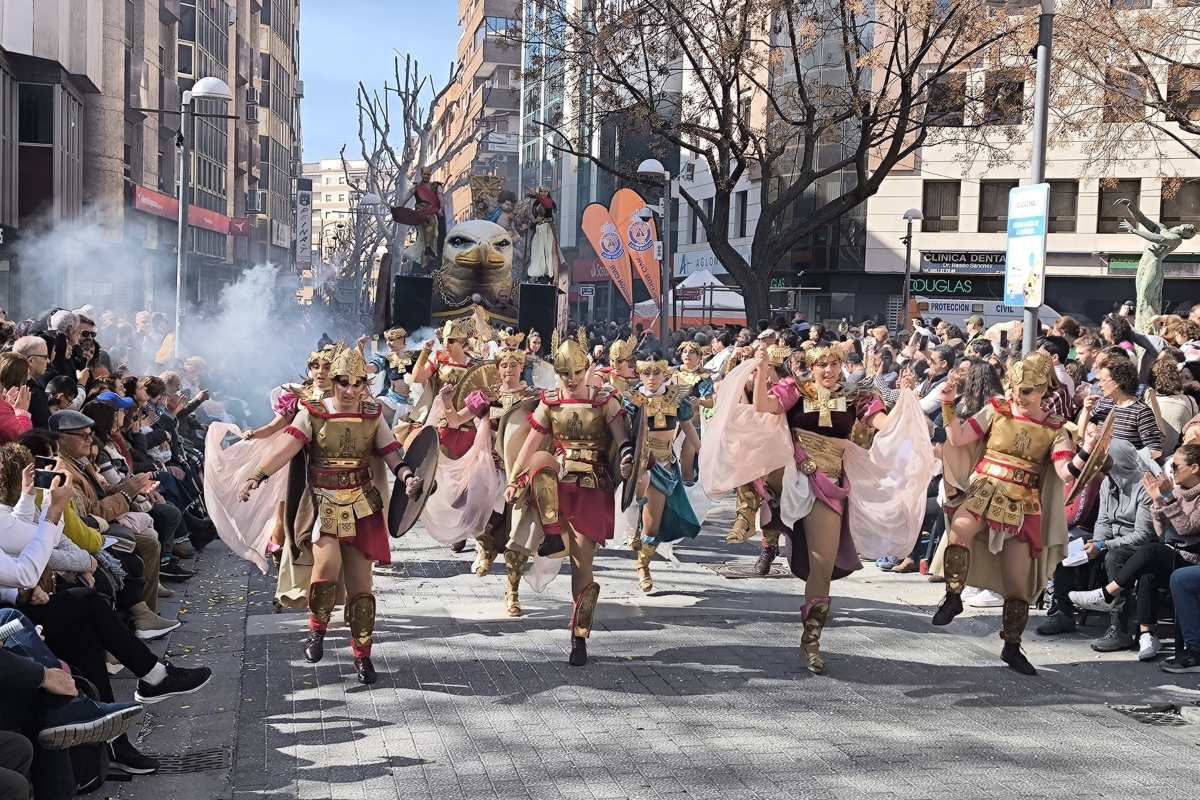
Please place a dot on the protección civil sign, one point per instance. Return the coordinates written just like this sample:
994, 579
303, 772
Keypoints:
1025, 252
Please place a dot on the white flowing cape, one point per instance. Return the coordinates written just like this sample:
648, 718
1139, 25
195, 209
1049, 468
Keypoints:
244, 527
888, 483
468, 488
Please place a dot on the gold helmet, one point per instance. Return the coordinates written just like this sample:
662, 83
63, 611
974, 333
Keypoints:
1034, 371
690, 347
571, 356
778, 354
510, 353
823, 354
392, 334
622, 350
459, 329
653, 365
348, 362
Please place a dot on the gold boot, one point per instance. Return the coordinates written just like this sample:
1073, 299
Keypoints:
515, 563
814, 613
486, 556
644, 554
746, 515
360, 615
581, 623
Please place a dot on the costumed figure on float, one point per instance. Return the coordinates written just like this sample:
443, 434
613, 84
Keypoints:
428, 218
1004, 470
256, 529
564, 499
834, 499
341, 445
660, 413
545, 261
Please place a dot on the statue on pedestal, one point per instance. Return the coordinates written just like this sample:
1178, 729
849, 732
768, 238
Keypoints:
1160, 243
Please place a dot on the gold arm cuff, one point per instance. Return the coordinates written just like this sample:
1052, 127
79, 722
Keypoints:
949, 415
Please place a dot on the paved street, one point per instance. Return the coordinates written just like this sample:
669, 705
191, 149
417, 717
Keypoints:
693, 692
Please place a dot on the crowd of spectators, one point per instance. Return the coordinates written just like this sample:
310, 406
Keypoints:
101, 510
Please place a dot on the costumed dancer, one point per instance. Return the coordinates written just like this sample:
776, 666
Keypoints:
834, 500
565, 499
258, 528
692, 374
346, 444
621, 376
395, 365
1004, 470
667, 515
440, 373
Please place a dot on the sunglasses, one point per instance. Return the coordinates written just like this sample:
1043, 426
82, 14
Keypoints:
346, 383
87, 334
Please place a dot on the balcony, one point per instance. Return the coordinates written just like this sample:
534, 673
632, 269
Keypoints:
168, 11
485, 56
246, 59
496, 97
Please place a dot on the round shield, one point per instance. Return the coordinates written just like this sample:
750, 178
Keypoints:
640, 435
1096, 459
422, 456
481, 377
511, 430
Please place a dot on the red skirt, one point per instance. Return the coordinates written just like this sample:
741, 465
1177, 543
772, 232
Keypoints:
371, 538
591, 512
456, 441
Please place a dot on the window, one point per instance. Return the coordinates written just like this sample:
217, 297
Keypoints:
1183, 92
35, 113
993, 205
1004, 98
328, 198
708, 215
1124, 93
341, 197
1183, 205
184, 59
187, 22
939, 206
1064, 200
947, 100
692, 221
740, 201
1110, 192
328, 180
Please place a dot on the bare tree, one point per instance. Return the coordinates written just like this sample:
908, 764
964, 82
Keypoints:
817, 100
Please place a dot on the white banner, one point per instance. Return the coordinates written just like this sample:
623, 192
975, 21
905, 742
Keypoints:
304, 227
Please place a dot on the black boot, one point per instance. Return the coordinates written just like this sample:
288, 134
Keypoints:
765, 559
578, 655
366, 671
950, 607
956, 563
1016, 660
314, 646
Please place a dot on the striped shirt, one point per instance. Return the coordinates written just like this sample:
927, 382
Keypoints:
1135, 423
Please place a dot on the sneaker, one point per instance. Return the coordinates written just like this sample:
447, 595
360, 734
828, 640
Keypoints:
1187, 662
1057, 623
1114, 640
113, 666
179, 680
124, 757
1092, 600
164, 593
183, 549
985, 598
148, 626
1148, 646
84, 721
887, 563
172, 571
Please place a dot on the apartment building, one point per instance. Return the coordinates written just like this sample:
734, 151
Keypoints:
334, 204
475, 126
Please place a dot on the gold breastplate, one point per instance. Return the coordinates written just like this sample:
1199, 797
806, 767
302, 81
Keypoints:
449, 373
657, 409
342, 441
507, 401
1027, 441
685, 378
400, 361
579, 423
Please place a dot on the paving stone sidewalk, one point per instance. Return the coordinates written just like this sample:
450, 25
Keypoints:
696, 691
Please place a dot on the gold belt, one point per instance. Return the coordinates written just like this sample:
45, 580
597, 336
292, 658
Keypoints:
1007, 471
662, 451
823, 455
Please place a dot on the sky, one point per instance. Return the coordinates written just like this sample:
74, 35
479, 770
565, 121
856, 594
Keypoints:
343, 42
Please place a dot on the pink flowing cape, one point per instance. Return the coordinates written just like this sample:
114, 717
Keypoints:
740, 444
244, 527
468, 488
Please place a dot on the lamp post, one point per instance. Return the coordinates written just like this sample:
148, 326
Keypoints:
652, 169
909, 216
204, 89
1041, 105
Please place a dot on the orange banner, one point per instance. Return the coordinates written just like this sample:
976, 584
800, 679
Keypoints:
639, 236
602, 232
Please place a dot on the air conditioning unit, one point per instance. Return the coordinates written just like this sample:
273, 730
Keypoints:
299, 88
256, 201
251, 96
297, 153
251, 113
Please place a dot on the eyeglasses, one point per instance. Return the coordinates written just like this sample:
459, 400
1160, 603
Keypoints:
39, 355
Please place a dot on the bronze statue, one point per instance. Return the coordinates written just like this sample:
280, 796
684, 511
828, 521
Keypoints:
1160, 243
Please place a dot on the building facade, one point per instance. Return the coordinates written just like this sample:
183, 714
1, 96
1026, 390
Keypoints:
476, 123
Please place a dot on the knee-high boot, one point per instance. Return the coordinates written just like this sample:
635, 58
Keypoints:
581, 623
642, 559
745, 514
956, 567
322, 597
360, 615
515, 563
814, 613
1012, 626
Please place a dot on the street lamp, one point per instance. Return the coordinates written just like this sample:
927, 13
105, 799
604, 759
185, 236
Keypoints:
909, 216
204, 89
653, 171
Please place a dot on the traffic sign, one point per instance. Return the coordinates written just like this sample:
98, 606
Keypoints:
587, 291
